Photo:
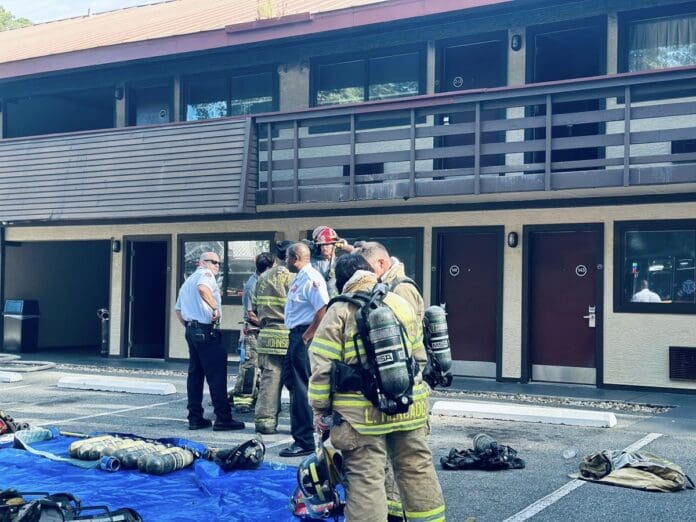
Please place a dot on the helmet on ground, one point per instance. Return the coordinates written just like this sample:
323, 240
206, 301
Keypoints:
248, 455
310, 508
324, 235
317, 478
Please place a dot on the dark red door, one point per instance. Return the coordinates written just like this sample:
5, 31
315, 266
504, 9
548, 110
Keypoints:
468, 283
563, 267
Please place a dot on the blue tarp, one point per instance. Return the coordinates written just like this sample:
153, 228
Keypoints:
202, 492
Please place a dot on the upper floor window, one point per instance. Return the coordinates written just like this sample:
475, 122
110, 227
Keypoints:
659, 39
236, 253
655, 266
365, 78
218, 95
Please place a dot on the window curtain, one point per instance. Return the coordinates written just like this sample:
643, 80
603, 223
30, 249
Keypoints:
664, 43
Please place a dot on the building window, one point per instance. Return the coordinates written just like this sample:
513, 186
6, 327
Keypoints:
217, 96
236, 253
405, 244
655, 270
659, 39
376, 77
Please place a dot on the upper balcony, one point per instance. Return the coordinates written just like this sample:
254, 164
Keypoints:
616, 131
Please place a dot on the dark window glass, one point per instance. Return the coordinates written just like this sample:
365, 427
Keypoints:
394, 76
236, 256
206, 98
658, 266
149, 105
662, 43
341, 83
252, 93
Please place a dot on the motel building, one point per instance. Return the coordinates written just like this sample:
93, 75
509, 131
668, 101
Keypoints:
532, 162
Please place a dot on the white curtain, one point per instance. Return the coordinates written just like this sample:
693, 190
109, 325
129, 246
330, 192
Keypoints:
664, 43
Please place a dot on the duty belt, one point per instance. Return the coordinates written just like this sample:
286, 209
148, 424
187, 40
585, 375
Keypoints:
196, 324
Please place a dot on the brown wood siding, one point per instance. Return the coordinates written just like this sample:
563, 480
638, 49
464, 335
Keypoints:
192, 169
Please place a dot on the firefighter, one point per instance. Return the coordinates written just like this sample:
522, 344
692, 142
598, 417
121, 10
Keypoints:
391, 271
246, 388
325, 242
269, 307
366, 435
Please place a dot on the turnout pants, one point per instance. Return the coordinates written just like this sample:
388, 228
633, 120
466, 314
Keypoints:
270, 388
364, 462
246, 388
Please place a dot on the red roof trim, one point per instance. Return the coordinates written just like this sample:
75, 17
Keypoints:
320, 22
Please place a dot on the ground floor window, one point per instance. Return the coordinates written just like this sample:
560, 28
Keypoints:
237, 253
655, 269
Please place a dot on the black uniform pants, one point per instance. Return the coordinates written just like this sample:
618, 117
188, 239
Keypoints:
207, 361
301, 419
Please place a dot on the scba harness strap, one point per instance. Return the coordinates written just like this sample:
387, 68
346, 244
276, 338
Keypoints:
387, 377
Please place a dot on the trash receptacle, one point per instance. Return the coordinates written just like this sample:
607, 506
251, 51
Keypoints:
21, 325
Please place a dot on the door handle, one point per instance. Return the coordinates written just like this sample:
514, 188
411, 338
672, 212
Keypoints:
591, 317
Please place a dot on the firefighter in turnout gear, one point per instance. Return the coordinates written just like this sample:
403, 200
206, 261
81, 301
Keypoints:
391, 271
364, 434
325, 242
246, 388
269, 306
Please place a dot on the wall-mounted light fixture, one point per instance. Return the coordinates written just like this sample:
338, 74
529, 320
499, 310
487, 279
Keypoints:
513, 239
118, 93
516, 42
115, 246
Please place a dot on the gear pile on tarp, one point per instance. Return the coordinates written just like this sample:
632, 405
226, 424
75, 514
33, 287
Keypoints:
201, 491
486, 455
633, 470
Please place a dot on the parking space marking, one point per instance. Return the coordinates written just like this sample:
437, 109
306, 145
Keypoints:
574, 484
15, 387
116, 412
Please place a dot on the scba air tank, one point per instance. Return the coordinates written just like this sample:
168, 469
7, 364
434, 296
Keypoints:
391, 358
437, 340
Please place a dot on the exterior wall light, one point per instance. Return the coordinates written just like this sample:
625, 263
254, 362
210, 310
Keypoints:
516, 42
118, 93
115, 246
513, 239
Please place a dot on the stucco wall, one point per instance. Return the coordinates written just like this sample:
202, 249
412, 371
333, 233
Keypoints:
635, 345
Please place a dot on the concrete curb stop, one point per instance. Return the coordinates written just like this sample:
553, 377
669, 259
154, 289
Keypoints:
118, 384
518, 412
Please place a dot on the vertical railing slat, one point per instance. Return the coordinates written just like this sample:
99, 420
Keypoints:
412, 156
269, 162
351, 174
295, 162
627, 137
477, 149
547, 147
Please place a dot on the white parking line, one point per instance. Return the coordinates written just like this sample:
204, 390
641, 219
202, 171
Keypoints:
561, 492
115, 412
16, 387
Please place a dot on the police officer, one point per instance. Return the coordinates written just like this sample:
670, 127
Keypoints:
269, 307
198, 309
306, 305
326, 241
246, 389
391, 271
366, 436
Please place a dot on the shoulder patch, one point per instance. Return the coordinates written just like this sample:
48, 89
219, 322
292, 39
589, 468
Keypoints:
208, 274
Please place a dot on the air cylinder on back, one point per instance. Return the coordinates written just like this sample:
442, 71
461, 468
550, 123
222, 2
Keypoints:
437, 344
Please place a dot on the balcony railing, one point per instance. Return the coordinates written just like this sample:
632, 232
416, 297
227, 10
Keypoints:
615, 131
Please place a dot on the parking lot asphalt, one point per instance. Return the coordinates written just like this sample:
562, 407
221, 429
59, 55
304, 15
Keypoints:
541, 491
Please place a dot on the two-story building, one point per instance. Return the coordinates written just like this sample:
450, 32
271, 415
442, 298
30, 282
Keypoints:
533, 163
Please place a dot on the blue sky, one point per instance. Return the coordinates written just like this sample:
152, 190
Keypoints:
46, 10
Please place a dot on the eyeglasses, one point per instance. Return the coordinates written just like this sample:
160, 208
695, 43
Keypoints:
214, 261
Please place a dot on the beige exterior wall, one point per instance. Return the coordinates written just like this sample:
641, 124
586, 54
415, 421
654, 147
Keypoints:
635, 345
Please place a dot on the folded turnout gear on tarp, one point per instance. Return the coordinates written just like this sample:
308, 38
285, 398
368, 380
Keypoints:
486, 455
18, 506
202, 491
633, 470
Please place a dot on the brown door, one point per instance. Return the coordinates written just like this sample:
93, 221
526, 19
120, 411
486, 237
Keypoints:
473, 65
564, 310
469, 284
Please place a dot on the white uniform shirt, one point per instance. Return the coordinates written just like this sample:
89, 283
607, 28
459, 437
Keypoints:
307, 294
646, 296
191, 304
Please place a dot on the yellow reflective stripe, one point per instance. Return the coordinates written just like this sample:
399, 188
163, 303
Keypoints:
388, 427
420, 392
395, 508
270, 300
271, 351
329, 349
434, 515
350, 350
318, 391
274, 332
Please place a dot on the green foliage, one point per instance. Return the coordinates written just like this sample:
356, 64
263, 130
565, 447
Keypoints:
267, 9
9, 21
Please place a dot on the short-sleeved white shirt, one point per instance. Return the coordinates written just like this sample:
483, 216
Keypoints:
306, 296
191, 304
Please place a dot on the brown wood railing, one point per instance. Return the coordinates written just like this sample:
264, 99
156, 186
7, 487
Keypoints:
628, 129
